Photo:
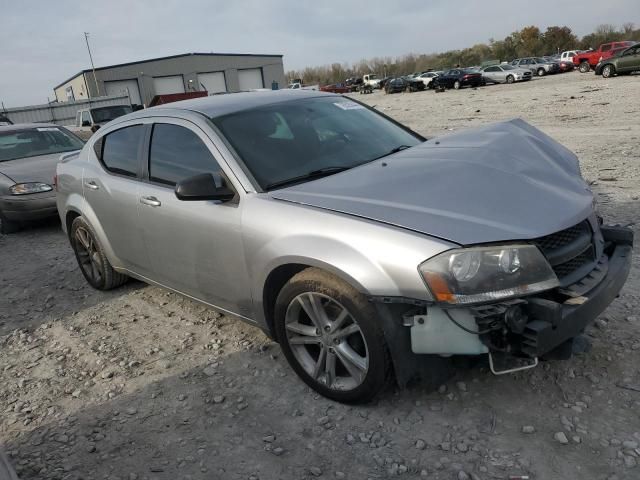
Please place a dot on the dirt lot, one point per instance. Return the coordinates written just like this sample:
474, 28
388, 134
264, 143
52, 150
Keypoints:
139, 383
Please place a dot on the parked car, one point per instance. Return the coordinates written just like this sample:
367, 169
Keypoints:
5, 121
626, 61
585, 61
567, 55
505, 74
91, 119
353, 83
537, 65
28, 157
414, 84
427, 77
458, 78
336, 88
396, 85
374, 252
566, 66
371, 79
355, 262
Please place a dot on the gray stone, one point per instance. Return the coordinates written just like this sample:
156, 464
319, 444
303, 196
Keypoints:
461, 386
420, 444
561, 437
630, 444
218, 399
315, 471
462, 475
528, 429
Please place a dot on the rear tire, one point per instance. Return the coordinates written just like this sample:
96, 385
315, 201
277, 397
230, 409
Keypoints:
352, 368
510, 79
91, 258
457, 85
7, 226
608, 71
584, 67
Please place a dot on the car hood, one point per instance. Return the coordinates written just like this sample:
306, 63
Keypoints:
506, 181
41, 168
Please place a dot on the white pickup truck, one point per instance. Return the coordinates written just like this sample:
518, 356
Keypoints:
371, 79
91, 119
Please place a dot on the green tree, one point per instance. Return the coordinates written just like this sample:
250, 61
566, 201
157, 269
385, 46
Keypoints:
558, 39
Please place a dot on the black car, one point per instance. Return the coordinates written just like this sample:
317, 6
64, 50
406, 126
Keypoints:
458, 78
395, 85
5, 121
414, 84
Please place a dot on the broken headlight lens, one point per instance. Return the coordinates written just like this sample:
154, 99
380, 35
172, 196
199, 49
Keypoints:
484, 274
27, 188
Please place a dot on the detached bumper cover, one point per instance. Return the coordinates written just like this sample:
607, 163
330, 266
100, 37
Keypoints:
553, 323
28, 207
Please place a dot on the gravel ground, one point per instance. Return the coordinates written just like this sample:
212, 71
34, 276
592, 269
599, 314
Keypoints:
139, 383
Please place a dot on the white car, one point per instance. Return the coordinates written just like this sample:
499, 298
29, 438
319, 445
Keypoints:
427, 77
568, 55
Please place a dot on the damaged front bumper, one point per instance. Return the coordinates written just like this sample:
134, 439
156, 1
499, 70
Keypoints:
528, 327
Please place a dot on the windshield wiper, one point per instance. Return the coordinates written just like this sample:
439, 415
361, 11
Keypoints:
319, 173
399, 148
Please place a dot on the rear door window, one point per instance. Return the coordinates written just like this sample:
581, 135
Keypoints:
177, 153
121, 150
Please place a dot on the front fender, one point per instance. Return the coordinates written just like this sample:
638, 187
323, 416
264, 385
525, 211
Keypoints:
376, 259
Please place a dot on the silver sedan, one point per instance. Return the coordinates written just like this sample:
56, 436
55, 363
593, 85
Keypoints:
505, 74
366, 251
28, 157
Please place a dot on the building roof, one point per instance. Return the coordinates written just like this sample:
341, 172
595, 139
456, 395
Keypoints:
86, 70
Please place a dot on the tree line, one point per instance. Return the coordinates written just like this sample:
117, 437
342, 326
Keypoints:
530, 41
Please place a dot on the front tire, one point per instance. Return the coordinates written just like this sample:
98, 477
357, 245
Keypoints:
332, 337
91, 258
457, 85
510, 79
7, 226
608, 71
584, 67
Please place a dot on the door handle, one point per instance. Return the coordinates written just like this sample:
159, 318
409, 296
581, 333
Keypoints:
92, 185
151, 201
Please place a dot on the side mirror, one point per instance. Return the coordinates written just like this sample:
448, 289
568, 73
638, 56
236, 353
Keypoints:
86, 123
205, 186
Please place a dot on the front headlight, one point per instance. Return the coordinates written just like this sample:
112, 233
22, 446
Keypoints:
27, 188
483, 274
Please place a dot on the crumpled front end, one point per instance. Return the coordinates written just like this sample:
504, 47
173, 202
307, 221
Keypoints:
591, 262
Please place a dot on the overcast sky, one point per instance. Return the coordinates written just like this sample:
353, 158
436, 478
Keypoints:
41, 42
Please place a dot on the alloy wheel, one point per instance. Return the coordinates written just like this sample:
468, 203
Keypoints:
88, 255
606, 71
326, 341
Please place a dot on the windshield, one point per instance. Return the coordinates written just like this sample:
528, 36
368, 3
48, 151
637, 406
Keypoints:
36, 141
106, 114
291, 139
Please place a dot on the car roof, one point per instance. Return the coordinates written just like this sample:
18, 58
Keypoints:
224, 104
25, 126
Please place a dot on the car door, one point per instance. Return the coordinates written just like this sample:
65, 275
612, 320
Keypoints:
195, 247
494, 74
629, 60
110, 187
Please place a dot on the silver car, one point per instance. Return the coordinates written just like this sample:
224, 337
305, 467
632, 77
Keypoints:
505, 74
28, 157
538, 66
365, 250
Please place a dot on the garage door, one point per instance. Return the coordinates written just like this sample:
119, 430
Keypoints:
121, 87
166, 85
213, 82
250, 78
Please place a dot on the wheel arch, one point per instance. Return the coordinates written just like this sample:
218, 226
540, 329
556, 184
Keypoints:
282, 273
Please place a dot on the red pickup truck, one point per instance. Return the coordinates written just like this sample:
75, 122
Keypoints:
585, 61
